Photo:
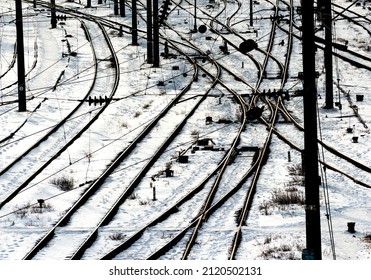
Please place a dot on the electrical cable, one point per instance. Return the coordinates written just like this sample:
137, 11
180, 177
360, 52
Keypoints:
116, 171
89, 154
326, 191
337, 69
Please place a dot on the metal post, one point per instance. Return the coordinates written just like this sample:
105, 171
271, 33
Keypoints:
134, 23
195, 16
154, 193
149, 32
53, 19
156, 40
312, 207
20, 58
122, 8
328, 54
115, 7
251, 13
34, 3
88, 4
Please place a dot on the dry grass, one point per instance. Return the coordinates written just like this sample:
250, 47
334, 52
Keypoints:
367, 238
64, 183
117, 236
286, 197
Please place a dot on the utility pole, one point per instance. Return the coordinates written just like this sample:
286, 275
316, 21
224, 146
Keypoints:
134, 23
149, 32
251, 16
156, 40
53, 19
115, 7
122, 8
325, 9
310, 160
195, 18
20, 58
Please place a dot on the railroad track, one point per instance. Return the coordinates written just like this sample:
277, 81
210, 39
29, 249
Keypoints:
205, 209
300, 127
48, 138
201, 217
11, 66
97, 184
212, 197
119, 201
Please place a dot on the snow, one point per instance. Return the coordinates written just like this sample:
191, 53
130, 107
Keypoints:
271, 231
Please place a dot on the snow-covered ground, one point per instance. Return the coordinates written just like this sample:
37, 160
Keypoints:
271, 232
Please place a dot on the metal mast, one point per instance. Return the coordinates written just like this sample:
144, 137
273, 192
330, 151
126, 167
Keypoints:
115, 7
20, 58
149, 32
156, 39
122, 8
326, 12
134, 23
310, 160
251, 13
53, 18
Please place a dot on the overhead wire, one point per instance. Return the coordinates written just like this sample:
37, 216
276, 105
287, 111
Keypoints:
326, 195
91, 181
323, 172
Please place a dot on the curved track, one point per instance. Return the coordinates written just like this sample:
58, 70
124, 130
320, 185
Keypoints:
259, 101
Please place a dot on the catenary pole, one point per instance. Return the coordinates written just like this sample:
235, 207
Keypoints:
310, 160
251, 13
20, 58
134, 23
122, 8
149, 32
115, 7
156, 39
53, 18
325, 9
